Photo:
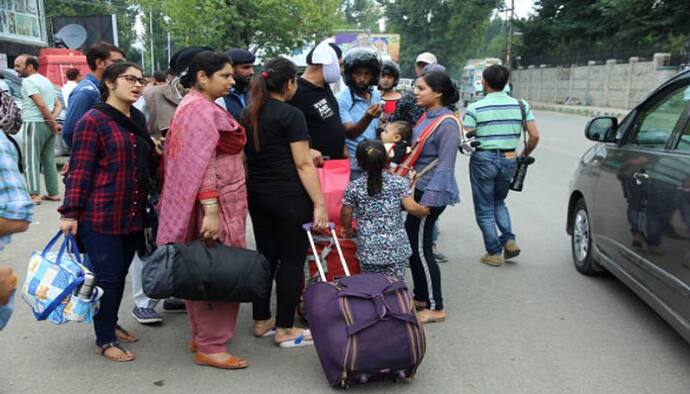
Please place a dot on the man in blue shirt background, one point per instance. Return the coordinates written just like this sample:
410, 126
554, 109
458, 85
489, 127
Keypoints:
360, 102
88, 91
242, 73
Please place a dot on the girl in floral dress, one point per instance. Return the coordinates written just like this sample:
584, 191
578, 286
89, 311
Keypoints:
376, 200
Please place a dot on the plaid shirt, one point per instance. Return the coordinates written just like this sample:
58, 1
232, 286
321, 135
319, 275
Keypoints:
15, 203
102, 189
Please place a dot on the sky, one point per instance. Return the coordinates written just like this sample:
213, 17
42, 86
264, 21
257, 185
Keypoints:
523, 8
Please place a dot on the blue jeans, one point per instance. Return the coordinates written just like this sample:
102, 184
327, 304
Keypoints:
110, 256
490, 175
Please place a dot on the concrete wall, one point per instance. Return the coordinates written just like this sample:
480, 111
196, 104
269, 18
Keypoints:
612, 84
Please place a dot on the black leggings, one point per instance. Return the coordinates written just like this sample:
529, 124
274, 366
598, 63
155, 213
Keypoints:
426, 274
277, 222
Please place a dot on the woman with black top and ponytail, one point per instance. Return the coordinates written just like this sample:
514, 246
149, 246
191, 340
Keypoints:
375, 201
283, 194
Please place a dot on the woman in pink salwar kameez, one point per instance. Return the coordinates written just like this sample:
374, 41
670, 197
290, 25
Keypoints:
204, 193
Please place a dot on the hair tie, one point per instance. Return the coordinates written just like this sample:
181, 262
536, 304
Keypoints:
264, 75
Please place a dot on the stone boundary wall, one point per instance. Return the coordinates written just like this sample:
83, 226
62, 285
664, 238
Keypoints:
615, 85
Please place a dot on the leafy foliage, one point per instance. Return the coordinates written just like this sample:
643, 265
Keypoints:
578, 29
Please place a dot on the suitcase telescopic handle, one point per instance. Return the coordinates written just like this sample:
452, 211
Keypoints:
308, 227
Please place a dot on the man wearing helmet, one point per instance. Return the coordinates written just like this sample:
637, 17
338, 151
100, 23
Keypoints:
360, 103
390, 74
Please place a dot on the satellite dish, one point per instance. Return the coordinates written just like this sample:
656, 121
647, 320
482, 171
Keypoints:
72, 35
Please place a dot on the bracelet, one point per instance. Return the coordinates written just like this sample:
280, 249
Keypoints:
209, 203
68, 219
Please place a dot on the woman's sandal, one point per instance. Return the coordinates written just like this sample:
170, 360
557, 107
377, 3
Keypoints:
128, 356
264, 328
300, 340
232, 362
124, 336
428, 316
51, 198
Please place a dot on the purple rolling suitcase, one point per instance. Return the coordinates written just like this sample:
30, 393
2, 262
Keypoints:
364, 326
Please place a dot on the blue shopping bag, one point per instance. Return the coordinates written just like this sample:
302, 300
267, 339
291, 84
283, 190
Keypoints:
53, 281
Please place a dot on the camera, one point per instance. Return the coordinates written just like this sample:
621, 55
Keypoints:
468, 143
521, 172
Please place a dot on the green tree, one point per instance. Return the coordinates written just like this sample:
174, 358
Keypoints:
579, 30
273, 26
451, 29
361, 15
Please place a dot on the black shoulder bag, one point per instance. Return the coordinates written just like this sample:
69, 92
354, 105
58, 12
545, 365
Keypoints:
522, 162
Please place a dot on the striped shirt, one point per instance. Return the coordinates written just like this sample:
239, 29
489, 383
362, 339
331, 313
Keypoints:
496, 120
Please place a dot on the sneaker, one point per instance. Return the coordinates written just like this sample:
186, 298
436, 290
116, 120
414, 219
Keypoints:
440, 257
146, 315
510, 250
174, 305
494, 260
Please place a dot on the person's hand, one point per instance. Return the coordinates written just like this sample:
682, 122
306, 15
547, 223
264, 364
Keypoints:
316, 157
8, 282
423, 211
375, 110
158, 145
58, 128
210, 225
65, 169
320, 217
69, 226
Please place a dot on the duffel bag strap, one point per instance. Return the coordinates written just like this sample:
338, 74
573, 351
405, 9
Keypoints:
58, 300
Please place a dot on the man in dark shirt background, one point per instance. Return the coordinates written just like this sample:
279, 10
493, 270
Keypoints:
320, 107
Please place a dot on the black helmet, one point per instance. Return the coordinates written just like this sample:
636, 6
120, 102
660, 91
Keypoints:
390, 68
361, 57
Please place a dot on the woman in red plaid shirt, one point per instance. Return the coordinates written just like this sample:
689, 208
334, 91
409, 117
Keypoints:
110, 167
204, 194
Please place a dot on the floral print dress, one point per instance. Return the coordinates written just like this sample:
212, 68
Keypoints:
382, 243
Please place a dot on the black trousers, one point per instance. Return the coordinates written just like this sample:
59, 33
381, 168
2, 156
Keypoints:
426, 274
277, 222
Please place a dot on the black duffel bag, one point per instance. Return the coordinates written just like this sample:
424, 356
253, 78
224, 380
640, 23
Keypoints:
194, 271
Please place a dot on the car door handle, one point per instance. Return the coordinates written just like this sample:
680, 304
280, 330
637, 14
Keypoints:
640, 177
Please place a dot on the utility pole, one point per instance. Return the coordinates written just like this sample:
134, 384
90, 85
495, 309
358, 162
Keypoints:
509, 50
151, 36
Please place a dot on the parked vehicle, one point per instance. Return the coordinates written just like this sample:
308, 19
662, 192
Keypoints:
471, 80
629, 208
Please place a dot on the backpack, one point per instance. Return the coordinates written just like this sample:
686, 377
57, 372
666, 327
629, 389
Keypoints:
10, 114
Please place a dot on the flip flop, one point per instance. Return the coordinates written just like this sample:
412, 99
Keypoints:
51, 198
269, 332
134, 338
302, 340
102, 349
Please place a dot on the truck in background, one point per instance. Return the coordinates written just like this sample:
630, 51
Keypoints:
471, 79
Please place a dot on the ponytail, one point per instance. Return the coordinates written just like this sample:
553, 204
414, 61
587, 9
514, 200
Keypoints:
278, 72
372, 158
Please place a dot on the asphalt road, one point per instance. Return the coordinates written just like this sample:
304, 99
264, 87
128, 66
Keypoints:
531, 326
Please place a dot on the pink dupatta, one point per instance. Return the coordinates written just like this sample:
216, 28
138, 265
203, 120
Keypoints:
194, 136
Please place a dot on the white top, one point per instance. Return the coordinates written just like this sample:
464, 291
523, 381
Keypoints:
66, 90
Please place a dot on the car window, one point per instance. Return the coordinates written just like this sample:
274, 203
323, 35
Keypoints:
655, 124
684, 142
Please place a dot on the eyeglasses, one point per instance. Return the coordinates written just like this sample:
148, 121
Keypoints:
131, 79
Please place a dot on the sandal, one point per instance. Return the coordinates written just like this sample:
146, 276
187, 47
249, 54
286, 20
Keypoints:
427, 316
264, 328
232, 362
192, 346
36, 199
300, 340
124, 336
101, 350
51, 198
419, 305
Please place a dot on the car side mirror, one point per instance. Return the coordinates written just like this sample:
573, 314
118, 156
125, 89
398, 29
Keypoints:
602, 129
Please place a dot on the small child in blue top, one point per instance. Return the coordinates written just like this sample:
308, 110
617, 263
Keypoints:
376, 200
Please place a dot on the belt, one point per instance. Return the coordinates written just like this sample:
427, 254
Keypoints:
496, 150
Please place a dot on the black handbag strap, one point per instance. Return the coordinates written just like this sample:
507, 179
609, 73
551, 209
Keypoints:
523, 113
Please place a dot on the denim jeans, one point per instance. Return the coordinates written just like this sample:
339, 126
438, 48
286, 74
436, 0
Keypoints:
110, 256
490, 175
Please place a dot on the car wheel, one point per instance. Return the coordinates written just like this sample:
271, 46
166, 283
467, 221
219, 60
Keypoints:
581, 241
